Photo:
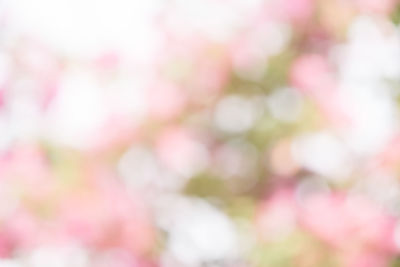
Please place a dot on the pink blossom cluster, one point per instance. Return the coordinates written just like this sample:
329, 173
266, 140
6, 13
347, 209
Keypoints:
190, 133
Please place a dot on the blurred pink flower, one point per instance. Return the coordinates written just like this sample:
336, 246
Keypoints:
355, 228
277, 215
109, 60
313, 75
95, 211
348, 221
296, 11
389, 156
181, 151
41, 66
23, 229
383, 7
166, 100
104, 216
25, 167
211, 73
366, 260
200, 66
116, 132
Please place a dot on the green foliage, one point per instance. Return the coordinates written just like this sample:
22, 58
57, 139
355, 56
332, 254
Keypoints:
278, 69
396, 15
395, 263
207, 186
295, 249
